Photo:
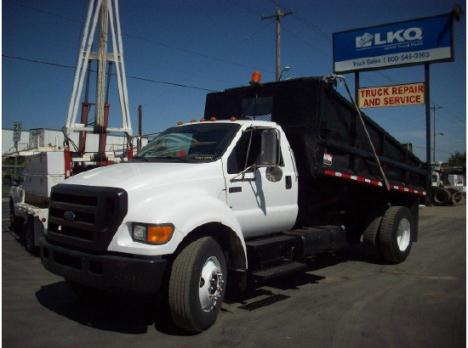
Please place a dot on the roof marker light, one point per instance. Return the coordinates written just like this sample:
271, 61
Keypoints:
256, 77
202, 119
193, 120
212, 118
233, 118
179, 123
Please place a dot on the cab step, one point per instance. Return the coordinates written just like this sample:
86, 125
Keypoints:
278, 270
268, 250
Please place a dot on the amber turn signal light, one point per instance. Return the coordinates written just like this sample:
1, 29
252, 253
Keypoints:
153, 234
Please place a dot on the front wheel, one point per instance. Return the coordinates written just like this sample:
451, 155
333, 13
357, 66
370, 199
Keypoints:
16, 222
29, 239
197, 285
396, 234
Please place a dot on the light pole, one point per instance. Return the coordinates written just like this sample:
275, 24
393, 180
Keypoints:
434, 108
285, 69
434, 154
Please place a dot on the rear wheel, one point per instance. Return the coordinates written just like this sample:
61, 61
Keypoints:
197, 285
370, 237
457, 198
441, 196
396, 234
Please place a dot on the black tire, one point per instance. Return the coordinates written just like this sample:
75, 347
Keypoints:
441, 196
29, 239
16, 222
388, 235
186, 281
457, 198
370, 239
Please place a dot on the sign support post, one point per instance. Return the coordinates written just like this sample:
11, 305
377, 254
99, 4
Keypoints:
428, 129
356, 87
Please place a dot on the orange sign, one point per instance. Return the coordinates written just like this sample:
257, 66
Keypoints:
399, 95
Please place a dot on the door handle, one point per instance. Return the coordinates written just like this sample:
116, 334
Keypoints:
235, 189
288, 182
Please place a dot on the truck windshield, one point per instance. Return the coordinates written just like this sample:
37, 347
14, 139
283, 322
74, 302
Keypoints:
201, 142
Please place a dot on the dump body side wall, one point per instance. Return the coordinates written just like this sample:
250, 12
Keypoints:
317, 120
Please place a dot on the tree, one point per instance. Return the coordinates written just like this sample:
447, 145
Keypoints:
457, 159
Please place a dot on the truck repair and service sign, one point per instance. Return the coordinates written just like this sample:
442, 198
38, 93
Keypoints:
389, 45
399, 95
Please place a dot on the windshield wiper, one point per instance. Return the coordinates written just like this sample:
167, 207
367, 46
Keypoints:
151, 158
144, 159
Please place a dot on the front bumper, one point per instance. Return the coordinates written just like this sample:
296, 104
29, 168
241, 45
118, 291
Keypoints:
106, 272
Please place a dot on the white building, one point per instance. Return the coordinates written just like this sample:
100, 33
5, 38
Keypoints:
43, 137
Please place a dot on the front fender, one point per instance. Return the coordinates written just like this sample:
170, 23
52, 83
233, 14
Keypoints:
186, 212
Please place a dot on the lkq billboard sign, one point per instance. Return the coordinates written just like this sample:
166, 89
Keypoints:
396, 44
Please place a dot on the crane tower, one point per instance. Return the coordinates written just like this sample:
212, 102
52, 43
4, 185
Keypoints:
103, 18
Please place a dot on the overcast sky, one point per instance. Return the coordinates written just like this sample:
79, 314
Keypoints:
215, 45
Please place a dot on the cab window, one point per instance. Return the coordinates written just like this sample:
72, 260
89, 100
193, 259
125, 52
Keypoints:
237, 160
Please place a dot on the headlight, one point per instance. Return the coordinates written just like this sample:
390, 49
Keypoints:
152, 234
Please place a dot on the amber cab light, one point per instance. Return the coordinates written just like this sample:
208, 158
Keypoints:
256, 77
159, 234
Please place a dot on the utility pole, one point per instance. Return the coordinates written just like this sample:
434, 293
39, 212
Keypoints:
434, 108
277, 16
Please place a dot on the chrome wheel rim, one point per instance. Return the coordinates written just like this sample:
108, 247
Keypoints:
211, 284
403, 234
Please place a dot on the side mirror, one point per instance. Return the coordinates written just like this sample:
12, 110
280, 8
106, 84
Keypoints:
269, 155
274, 174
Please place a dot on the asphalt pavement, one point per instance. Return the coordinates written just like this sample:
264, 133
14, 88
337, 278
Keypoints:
342, 301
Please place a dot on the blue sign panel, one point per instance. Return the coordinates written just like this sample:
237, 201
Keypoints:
389, 45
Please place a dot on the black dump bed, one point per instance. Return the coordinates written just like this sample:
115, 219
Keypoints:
322, 128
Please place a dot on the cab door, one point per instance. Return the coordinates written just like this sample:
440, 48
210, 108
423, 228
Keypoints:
264, 197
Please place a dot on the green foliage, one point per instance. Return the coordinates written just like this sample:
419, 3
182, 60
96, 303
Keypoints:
457, 159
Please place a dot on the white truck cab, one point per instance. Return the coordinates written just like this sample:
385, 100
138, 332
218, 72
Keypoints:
192, 177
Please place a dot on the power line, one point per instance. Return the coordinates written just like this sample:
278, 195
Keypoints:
155, 42
300, 38
40, 10
192, 52
454, 118
134, 77
315, 28
437, 150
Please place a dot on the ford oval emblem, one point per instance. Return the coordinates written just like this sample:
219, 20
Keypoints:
69, 215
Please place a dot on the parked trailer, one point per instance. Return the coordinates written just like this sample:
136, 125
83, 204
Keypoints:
236, 200
29, 201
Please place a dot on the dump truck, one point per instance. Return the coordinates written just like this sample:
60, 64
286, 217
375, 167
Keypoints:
273, 175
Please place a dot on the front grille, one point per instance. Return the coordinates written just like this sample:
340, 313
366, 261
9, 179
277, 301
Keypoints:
85, 216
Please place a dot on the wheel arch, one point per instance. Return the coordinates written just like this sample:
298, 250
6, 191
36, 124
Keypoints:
226, 237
